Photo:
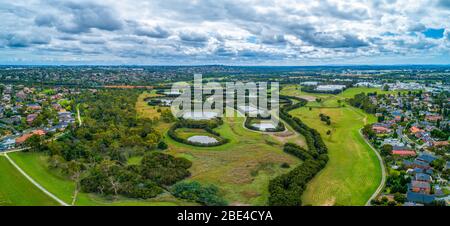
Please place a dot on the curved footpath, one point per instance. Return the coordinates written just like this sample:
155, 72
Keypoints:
383, 171
34, 182
80, 123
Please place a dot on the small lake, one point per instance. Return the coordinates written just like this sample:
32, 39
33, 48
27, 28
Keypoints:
264, 125
203, 139
198, 115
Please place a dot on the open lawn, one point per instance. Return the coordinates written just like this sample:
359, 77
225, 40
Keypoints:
35, 165
16, 190
145, 110
351, 92
241, 168
293, 90
353, 172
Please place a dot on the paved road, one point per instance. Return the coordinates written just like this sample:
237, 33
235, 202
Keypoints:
34, 182
383, 171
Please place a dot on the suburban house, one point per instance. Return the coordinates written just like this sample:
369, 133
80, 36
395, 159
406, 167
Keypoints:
25, 137
381, 130
403, 152
420, 187
31, 118
423, 177
419, 197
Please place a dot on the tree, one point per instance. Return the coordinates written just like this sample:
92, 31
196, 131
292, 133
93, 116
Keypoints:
367, 130
438, 164
329, 132
162, 145
35, 142
400, 198
386, 150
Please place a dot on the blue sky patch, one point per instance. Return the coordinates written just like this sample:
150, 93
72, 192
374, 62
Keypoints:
252, 39
434, 33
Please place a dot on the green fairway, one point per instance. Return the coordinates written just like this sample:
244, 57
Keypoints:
353, 172
16, 190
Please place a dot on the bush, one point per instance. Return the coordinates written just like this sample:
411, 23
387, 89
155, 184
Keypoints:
194, 191
285, 165
162, 145
164, 169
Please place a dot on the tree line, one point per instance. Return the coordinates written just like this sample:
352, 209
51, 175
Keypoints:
286, 189
207, 125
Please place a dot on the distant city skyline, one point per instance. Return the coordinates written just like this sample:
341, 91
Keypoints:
233, 32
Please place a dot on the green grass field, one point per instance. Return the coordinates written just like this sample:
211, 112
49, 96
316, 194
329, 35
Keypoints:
241, 168
353, 172
350, 93
16, 190
35, 165
293, 90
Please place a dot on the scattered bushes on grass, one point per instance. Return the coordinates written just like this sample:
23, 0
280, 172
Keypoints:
109, 178
164, 169
194, 191
136, 181
325, 118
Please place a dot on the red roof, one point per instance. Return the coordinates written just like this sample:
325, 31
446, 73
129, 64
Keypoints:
28, 135
440, 143
380, 129
404, 152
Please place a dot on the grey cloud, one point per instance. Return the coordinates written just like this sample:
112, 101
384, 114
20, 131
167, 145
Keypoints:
152, 32
93, 41
79, 18
224, 52
45, 20
308, 33
420, 45
22, 40
417, 27
328, 8
192, 37
94, 16
326, 40
273, 39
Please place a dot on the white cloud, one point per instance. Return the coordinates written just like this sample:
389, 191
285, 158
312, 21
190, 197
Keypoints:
227, 31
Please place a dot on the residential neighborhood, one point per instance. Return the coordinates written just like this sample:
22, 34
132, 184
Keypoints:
27, 111
412, 135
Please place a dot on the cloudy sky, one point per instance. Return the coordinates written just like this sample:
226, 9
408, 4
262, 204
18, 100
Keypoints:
234, 32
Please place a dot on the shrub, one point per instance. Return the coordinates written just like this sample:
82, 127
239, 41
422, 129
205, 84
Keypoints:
194, 191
